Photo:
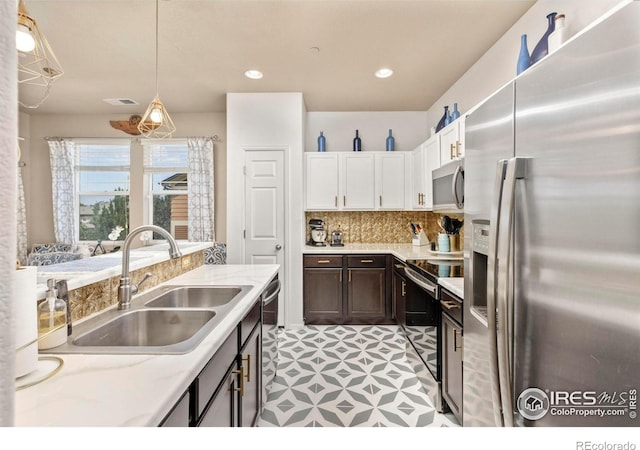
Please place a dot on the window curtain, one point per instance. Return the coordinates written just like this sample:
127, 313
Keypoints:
200, 188
22, 221
63, 183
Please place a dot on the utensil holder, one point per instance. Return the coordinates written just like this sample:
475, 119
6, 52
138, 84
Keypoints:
454, 243
420, 239
444, 244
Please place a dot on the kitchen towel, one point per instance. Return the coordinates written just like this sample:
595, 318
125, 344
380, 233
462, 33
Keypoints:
25, 313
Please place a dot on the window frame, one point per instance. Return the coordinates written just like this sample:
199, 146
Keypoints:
149, 171
78, 169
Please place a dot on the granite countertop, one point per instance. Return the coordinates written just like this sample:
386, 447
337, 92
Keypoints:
83, 272
135, 390
453, 285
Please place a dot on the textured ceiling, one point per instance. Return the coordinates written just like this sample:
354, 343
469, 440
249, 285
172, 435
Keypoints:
328, 50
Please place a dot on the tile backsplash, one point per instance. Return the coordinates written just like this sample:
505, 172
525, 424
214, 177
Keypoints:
370, 227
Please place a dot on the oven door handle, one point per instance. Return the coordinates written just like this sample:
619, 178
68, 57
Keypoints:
417, 279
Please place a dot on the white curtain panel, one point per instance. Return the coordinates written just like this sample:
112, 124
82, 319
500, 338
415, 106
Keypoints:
22, 222
63, 183
200, 188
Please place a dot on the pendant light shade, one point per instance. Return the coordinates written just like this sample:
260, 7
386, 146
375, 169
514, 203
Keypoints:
37, 64
156, 122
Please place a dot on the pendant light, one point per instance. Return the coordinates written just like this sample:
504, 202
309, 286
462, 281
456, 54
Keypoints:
156, 122
37, 64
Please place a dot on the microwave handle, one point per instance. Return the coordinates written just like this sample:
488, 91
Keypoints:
458, 201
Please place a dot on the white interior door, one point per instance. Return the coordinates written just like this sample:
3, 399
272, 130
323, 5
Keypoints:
264, 211
264, 207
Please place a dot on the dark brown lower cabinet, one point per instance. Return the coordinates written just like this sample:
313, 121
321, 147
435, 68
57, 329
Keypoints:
222, 411
250, 392
452, 364
349, 289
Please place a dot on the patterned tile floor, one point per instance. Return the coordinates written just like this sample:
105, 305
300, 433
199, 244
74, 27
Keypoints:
347, 376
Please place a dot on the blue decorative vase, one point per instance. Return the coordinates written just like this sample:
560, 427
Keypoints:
447, 118
322, 143
391, 142
523, 57
542, 47
455, 114
357, 143
441, 124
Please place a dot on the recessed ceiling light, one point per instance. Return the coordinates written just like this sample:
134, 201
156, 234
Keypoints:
384, 73
253, 74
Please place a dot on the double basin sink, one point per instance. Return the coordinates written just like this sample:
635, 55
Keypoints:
165, 320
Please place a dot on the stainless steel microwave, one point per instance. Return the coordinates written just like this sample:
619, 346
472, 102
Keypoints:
448, 187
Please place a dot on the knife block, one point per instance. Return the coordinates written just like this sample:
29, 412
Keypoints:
420, 239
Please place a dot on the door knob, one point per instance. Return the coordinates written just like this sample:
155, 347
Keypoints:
278, 247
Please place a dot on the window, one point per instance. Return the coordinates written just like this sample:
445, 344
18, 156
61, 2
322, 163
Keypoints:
102, 171
165, 181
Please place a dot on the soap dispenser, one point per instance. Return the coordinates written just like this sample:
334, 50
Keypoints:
52, 319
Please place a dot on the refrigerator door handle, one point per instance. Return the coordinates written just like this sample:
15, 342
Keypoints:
516, 170
492, 274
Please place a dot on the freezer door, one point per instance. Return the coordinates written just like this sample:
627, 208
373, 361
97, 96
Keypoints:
577, 239
488, 139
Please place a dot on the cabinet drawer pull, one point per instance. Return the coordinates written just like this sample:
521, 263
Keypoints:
324, 261
449, 304
248, 374
241, 373
366, 260
399, 266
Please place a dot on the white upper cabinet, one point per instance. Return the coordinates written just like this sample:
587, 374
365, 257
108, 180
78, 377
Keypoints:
424, 159
357, 173
391, 182
452, 141
321, 181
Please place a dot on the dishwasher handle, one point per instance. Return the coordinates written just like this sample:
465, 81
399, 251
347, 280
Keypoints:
274, 287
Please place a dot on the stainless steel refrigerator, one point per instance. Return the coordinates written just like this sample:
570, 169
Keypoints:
552, 248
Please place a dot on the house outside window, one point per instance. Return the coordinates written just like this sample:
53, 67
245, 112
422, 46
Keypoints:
103, 180
165, 186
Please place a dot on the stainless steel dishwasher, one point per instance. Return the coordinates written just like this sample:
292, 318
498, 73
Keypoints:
269, 335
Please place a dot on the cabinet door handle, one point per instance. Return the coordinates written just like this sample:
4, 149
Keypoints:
369, 261
458, 149
455, 341
248, 374
241, 373
344, 200
381, 200
341, 276
451, 151
404, 285
349, 275
336, 201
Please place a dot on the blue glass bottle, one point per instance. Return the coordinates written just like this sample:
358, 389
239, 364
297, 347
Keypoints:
357, 143
523, 57
391, 142
455, 114
322, 142
542, 47
441, 124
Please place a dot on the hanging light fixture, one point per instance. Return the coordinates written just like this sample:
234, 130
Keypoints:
156, 122
37, 64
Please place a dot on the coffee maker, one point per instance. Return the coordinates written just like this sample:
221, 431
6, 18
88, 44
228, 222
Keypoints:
317, 232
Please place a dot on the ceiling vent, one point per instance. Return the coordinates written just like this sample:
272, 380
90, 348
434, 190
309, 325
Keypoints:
120, 101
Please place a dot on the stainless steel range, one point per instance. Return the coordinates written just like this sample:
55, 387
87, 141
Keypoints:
421, 320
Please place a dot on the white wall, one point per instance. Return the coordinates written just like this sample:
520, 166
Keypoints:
410, 129
269, 119
498, 65
8, 155
37, 173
